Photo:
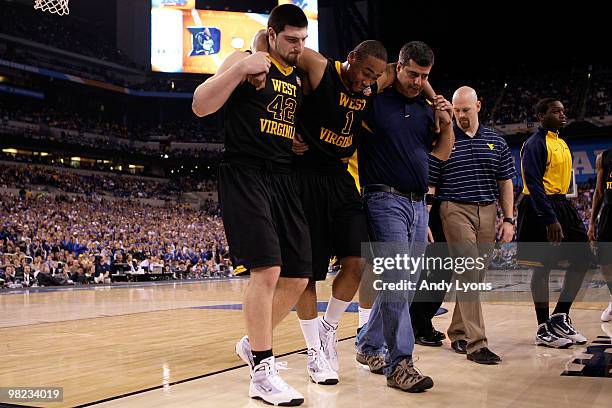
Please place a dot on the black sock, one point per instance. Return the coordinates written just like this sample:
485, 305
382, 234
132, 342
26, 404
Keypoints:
539, 292
541, 310
562, 307
258, 356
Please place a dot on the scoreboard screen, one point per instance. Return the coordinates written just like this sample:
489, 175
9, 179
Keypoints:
186, 39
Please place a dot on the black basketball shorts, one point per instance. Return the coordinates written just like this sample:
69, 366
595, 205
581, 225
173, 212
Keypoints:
263, 218
604, 235
335, 215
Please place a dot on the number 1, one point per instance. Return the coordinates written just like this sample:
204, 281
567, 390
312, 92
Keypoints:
349, 123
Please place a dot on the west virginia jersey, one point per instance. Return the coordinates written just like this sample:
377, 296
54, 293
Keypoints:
263, 217
331, 117
604, 227
329, 122
261, 124
606, 164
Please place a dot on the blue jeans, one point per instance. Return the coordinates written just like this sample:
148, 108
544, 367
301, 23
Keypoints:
397, 219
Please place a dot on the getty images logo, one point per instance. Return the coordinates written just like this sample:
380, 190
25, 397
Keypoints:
411, 264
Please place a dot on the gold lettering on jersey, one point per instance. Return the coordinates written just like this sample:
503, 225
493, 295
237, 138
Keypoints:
609, 185
339, 140
352, 103
275, 128
284, 87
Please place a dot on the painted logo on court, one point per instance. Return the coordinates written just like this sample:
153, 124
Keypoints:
594, 361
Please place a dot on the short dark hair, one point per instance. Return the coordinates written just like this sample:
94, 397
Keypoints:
543, 104
417, 51
370, 48
284, 15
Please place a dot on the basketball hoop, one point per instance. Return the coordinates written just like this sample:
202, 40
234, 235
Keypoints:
59, 7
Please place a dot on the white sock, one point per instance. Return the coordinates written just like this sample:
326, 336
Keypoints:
334, 311
364, 316
310, 330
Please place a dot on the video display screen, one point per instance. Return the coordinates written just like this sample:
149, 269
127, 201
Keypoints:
185, 39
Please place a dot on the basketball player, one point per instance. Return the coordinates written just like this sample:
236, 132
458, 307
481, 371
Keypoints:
546, 215
602, 232
263, 217
331, 120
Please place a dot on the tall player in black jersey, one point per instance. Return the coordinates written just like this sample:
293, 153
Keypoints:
602, 231
264, 222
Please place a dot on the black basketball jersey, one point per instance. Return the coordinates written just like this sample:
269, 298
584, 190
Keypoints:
606, 165
331, 117
261, 124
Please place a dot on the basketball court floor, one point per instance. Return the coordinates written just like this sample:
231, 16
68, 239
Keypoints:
172, 345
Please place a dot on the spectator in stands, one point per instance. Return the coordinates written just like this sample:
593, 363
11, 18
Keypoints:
118, 264
102, 268
28, 278
156, 265
79, 275
131, 263
9, 276
63, 276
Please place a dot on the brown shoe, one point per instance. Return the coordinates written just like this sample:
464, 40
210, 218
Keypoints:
407, 378
376, 362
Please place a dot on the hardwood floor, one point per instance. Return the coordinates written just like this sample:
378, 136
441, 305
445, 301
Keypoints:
177, 342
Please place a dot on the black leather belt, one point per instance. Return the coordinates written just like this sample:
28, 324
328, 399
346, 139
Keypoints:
479, 204
372, 188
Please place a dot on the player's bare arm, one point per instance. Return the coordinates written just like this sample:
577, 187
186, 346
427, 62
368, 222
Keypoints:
310, 61
446, 141
387, 78
215, 91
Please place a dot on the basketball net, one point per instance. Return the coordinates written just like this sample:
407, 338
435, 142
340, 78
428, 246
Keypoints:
59, 7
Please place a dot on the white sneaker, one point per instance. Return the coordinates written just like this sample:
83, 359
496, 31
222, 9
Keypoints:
267, 385
329, 338
606, 316
243, 349
319, 369
547, 337
561, 325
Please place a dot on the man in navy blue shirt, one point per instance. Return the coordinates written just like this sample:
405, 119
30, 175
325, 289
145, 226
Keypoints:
393, 170
478, 172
